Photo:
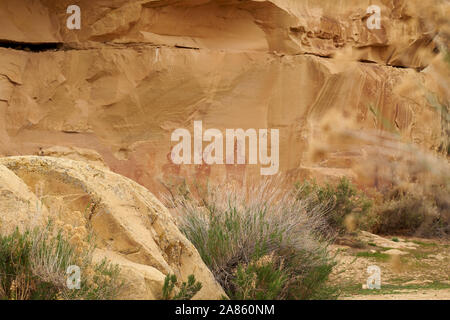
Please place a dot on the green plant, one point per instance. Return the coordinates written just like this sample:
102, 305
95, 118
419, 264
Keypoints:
424, 244
410, 213
187, 289
236, 230
33, 265
376, 255
341, 201
258, 282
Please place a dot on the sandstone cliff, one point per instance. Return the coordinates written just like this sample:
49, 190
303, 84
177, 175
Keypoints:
137, 70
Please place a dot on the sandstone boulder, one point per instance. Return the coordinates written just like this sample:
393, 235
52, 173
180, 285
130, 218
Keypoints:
80, 154
132, 227
19, 207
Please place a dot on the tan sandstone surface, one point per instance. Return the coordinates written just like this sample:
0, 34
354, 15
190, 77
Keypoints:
132, 228
137, 70
19, 206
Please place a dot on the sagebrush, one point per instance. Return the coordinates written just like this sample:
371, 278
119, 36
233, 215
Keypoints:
260, 243
33, 265
345, 206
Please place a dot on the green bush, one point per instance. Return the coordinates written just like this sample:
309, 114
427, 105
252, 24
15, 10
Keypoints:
260, 243
340, 201
187, 289
409, 213
33, 265
258, 282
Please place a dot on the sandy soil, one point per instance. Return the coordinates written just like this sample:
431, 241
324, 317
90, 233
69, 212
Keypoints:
430, 294
411, 268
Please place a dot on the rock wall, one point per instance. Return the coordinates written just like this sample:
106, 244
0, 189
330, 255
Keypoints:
131, 227
137, 70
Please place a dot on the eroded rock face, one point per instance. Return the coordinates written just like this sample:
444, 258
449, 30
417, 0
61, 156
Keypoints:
133, 229
138, 70
19, 206
287, 26
90, 156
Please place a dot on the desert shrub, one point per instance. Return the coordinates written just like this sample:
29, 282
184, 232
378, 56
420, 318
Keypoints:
258, 281
344, 205
260, 243
403, 216
33, 265
424, 214
186, 290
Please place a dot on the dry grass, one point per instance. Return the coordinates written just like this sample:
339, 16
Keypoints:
260, 242
411, 185
33, 265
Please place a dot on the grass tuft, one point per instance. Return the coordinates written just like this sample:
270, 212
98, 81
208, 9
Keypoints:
260, 243
34, 265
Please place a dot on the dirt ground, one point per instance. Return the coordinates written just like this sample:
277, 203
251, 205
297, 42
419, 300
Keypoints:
431, 294
410, 268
